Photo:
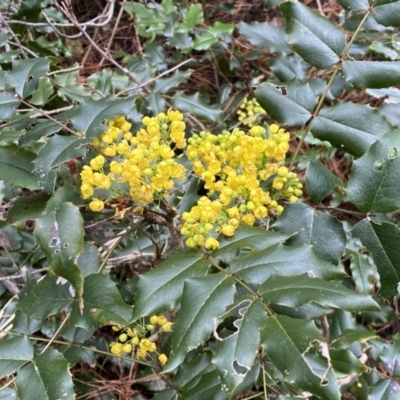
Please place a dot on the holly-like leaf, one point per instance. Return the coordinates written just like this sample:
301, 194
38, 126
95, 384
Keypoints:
291, 104
295, 291
314, 227
25, 74
382, 241
350, 336
286, 341
163, 85
102, 304
42, 128
48, 377
235, 355
68, 87
26, 208
386, 12
14, 353
362, 271
90, 117
16, 167
60, 235
257, 266
161, 288
265, 35
372, 74
374, 181
203, 299
43, 92
390, 357
247, 237
206, 40
350, 127
48, 297
320, 181
346, 362
192, 17
8, 103
196, 105
354, 5
319, 41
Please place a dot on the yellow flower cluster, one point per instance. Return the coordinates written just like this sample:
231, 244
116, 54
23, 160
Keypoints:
234, 166
142, 166
135, 338
250, 112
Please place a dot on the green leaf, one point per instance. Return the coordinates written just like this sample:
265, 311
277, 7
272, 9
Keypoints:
101, 81
62, 195
319, 41
320, 181
346, 362
313, 227
386, 12
196, 105
43, 92
380, 47
166, 394
382, 241
91, 114
245, 238
350, 336
47, 378
89, 260
390, 357
350, 127
235, 355
295, 291
16, 167
68, 88
14, 353
161, 288
58, 150
208, 387
155, 103
191, 371
163, 85
265, 35
103, 304
8, 103
41, 129
257, 266
25, 74
206, 40
60, 235
362, 271
354, 5
374, 180
286, 341
41, 299
384, 389
372, 74
203, 299
290, 104
192, 17
26, 208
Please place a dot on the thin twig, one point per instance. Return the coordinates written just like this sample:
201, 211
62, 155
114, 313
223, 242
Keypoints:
13, 277
119, 16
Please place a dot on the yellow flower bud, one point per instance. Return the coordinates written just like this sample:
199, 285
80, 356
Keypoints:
163, 359
96, 205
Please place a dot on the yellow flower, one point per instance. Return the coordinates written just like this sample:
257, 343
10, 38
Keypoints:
116, 348
228, 230
96, 205
163, 359
141, 353
174, 115
166, 327
211, 244
277, 183
127, 348
86, 190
